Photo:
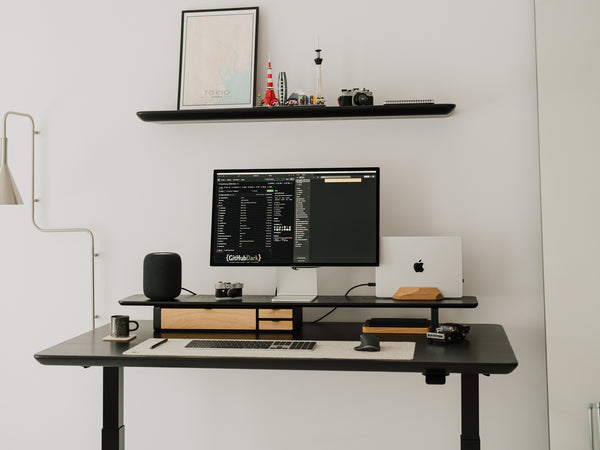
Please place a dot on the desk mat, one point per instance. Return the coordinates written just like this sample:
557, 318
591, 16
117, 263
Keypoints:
392, 351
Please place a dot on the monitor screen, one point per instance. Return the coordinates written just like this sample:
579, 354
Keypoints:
295, 217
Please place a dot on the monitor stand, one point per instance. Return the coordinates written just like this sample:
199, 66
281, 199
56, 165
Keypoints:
296, 284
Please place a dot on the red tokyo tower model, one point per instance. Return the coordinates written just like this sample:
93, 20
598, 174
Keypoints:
270, 98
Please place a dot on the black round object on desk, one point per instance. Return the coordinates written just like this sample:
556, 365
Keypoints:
162, 275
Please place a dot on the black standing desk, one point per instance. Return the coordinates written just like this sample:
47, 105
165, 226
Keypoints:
486, 351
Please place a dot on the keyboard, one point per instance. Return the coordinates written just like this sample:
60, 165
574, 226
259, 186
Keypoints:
251, 344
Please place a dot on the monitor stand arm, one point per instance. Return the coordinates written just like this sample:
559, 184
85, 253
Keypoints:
296, 284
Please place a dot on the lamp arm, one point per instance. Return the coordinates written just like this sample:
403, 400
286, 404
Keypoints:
34, 201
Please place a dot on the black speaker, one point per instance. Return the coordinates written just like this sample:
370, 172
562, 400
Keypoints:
162, 275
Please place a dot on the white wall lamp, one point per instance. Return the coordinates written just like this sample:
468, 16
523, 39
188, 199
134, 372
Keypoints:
9, 195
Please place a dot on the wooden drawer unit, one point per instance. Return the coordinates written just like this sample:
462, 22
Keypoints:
207, 319
227, 319
264, 313
275, 325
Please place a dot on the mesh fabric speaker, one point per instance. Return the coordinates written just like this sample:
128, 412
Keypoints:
162, 275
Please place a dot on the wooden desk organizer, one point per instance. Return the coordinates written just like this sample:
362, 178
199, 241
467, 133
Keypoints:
418, 293
390, 326
228, 318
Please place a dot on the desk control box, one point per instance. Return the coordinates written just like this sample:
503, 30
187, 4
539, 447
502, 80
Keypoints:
227, 318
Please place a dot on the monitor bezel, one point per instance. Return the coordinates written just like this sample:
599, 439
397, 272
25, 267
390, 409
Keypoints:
305, 169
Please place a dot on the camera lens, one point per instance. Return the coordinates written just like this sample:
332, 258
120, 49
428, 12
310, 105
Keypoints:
360, 99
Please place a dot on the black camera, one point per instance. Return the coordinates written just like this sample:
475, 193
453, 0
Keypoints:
447, 333
355, 97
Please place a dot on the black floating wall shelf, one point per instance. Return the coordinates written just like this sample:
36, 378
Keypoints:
297, 113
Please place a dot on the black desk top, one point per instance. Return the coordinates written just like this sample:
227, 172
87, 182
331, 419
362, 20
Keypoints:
324, 301
487, 350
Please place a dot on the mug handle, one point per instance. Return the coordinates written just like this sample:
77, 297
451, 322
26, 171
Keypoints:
137, 325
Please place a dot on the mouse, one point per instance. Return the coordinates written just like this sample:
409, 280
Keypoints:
368, 343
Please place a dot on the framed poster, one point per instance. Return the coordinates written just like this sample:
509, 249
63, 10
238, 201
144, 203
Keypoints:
217, 66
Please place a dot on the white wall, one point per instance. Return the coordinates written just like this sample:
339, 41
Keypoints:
568, 69
83, 69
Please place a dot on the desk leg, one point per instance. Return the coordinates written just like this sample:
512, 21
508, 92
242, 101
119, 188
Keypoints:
435, 318
469, 438
113, 430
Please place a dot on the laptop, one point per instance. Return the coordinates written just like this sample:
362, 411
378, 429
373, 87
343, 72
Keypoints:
424, 261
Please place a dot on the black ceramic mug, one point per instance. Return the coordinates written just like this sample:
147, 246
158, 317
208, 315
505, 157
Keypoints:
119, 326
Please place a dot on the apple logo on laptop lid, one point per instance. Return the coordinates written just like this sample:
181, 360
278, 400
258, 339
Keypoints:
418, 266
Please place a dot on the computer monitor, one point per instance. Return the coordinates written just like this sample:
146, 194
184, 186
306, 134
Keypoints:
295, 218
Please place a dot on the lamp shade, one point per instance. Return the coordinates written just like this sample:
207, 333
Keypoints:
9, 194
